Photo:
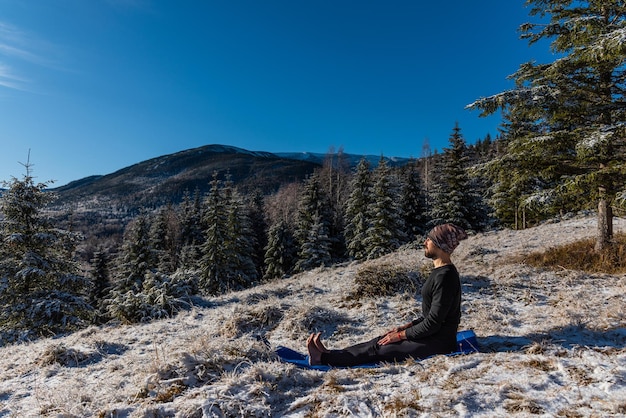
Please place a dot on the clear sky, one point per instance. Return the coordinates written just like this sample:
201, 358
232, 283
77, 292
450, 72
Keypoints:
92, 86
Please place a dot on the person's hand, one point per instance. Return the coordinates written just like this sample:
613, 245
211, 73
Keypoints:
400, 328
392, 337
394, 330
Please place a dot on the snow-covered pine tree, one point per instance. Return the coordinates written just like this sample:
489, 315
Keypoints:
214, 261
133, 262
578, 100
42, 290
241, 271
454, 198
164, 239
312, 226
357, 215
255, 207
279, 252
386, 231
140, 292
315, 251
100, 280
515, 176
191, 230
413, 201
135, 257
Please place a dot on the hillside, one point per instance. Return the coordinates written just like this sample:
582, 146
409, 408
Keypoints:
164, 179
553, 344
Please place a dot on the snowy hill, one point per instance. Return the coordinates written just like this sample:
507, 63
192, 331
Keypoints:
164, 179
554, 344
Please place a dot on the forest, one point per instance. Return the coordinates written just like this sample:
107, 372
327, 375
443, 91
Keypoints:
560, 150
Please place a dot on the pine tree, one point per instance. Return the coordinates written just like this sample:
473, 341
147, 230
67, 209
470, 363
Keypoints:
578, 101
315, 251
214, 262
279, 252
100, 279
258, 227
42, 291
413, 201
136, 256
140, 292
357, 215
314, 219
386, 231
164, 238
240, 244
227, 254
191, 230
513, 175
454, 198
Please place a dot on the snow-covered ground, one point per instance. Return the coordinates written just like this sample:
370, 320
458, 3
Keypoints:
553, 344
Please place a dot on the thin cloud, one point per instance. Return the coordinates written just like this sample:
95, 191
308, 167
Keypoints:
9, 80
17, 48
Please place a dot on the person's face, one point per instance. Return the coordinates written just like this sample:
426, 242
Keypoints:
430, 249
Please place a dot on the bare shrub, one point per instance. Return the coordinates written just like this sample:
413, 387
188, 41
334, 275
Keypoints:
306, 319
258, 319
384, 279
62, 355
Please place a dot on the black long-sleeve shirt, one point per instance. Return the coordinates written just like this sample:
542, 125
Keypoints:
441, 305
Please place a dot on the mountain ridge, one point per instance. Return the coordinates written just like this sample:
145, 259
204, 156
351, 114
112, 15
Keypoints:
170, 175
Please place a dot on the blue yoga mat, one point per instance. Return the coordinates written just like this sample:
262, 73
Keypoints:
466, 339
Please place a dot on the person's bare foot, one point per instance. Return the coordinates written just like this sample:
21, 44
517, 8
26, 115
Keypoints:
315, 355
318, 343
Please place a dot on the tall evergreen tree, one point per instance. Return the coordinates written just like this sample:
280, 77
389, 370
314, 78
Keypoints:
240, 241
191, 230
357, 215
227, 254
315, 251
454, 198
313, 225
258, 227
136, 257
280, 252
513, 175
214, 262
413, 201
386, 231
577, 100
100, 279
164, 239
42, 291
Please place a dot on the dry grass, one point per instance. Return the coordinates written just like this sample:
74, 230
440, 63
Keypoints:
374, 280
580, 255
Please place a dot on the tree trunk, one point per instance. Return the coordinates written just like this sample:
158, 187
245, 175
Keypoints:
605, 222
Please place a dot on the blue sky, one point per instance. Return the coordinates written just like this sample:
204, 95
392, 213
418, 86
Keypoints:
92, 86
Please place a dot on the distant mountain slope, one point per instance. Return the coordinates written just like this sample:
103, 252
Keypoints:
164, 179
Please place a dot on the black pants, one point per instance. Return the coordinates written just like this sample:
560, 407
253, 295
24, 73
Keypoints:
372, 352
